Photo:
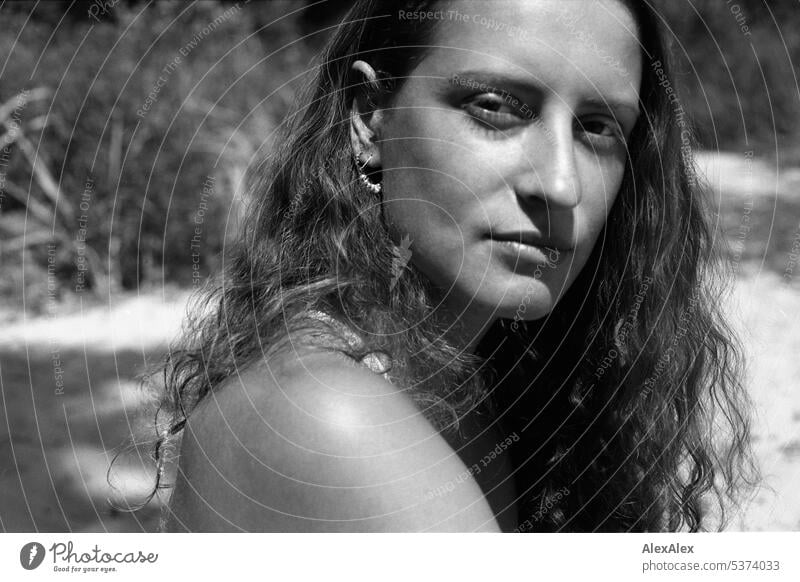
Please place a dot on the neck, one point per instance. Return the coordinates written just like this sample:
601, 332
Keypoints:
467, 325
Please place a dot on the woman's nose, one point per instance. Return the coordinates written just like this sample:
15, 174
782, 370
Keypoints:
548, 171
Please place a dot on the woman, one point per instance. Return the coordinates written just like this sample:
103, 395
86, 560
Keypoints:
475, 292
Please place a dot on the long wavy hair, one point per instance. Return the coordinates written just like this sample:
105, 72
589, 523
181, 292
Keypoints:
627, 397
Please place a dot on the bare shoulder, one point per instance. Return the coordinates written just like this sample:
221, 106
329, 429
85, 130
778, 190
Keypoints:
316, 442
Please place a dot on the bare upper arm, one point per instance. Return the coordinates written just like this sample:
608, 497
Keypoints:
318, 444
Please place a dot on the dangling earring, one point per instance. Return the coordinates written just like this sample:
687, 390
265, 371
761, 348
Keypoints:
373, 187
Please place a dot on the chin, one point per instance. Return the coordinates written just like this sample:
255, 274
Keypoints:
529, 303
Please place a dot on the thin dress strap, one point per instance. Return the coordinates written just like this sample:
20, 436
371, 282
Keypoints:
377, 361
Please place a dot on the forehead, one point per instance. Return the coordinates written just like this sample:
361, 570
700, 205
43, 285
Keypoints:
558, 43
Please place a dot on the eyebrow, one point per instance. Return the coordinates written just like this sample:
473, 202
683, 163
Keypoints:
614, 104
492, 79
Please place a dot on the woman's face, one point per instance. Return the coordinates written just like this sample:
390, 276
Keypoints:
512, 127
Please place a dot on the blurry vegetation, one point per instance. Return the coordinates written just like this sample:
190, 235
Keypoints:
738, 70
93, 131
130, 116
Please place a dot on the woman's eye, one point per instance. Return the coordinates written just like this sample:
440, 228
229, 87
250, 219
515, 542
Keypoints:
494, 111
601, 129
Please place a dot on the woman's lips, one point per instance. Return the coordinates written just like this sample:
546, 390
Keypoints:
521, 255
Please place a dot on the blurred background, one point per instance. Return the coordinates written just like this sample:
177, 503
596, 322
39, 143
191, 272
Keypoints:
126, 132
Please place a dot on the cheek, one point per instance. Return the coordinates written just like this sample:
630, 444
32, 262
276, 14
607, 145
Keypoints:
601, 185
601, 182
419, 219
434, 224
430, 191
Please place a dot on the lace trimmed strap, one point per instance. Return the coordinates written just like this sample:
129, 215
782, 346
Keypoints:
377, 361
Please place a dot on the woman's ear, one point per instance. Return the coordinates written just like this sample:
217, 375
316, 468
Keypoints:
365, 117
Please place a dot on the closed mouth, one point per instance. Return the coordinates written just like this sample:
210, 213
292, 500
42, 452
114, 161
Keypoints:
526, 239
515, 251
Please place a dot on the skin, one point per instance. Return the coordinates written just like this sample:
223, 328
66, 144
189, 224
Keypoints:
459, 163
321, 444
315, 442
